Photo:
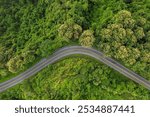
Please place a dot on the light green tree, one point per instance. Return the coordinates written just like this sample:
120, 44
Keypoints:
87, 38
70, 31
15, 64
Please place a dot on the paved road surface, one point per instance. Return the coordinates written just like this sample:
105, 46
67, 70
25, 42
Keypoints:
71, 50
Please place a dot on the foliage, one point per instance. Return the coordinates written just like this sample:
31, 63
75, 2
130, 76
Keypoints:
87, 38
124, 37
70, 31
34, 29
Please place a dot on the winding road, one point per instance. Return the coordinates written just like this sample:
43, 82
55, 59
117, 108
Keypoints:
72, 50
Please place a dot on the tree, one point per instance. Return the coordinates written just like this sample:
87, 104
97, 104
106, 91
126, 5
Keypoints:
87, 38
121, 37
15, 64
28, 57
145, 56
124, 17
124, 29
3, 72
131, 38
70, 31
139, 32
122, 53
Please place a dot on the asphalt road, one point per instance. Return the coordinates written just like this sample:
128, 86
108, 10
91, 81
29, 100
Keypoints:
72, 50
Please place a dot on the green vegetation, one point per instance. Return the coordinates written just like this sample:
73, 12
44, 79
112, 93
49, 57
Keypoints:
34, 29
70, 31
87, 38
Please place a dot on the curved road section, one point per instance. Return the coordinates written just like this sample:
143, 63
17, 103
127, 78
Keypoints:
72, 50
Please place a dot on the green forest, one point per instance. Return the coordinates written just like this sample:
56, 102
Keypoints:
33, 29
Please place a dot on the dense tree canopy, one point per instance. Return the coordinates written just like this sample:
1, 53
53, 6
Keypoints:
33, 29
